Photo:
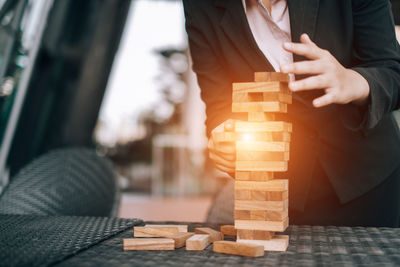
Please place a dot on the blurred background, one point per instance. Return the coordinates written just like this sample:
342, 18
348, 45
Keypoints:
114, 76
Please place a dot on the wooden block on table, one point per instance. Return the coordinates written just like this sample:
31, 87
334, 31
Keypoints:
253, 176
259, 107
254, 234
181, 227
150, 231
261, 205
260, 87
277, 243
263, 136
197, 242
260, 116
148, 244
229, 230
269, 186
270, 166
234, 248
271, 76
269, 126
274, 226
242, 194
180, 238
214, 235
244, 155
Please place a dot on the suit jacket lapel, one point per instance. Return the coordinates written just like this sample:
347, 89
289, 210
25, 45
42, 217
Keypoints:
234, 24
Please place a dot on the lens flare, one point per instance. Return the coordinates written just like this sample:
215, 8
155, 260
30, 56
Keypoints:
246, 137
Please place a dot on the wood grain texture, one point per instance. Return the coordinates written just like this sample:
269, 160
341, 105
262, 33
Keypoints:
244, 155
253, 176
277, 243
271, 76
279, 97
148, 244
150, 231
180, 238
270, 166
214, 234
268, 196
228, 230
269, 186
264, 136
259, 107
254, 234
242, 195
254, 87
261, 205
198, 242
260, 116
274, 226
269, 126
242, 214
181, 227
234, 248
262, 146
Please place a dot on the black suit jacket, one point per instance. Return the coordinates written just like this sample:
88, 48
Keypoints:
357, 147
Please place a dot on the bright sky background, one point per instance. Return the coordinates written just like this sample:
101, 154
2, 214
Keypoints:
132, 86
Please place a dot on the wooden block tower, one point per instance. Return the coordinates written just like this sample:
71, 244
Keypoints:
262, 148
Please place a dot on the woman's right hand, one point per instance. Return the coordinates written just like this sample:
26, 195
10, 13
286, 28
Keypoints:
223, 153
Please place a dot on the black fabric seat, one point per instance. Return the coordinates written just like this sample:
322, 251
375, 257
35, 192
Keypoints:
73, 181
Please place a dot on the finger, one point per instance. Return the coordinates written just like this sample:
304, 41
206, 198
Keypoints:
229, 125
226, 156
303, 67
324, 100
310, 83
221, 161
305, 39
224, 148
225, 169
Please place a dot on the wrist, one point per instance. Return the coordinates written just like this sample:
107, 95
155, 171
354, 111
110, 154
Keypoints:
363, 90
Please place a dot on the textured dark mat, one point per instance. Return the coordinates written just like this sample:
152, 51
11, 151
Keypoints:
309, 246
28, 240
73, 181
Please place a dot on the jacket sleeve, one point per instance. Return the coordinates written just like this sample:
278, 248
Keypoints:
377, 57
212, 77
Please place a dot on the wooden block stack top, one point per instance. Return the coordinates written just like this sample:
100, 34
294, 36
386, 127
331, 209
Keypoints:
262, 148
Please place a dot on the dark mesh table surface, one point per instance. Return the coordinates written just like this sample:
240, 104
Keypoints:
309, 246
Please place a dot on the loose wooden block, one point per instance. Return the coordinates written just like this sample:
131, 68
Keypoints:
277, 243
263, 136
260, 87
259, 107
242, 214
242, 194
197, 242
181, 227
274, 226
180, 238
261, 205
243, 155
269, 126
228, 230
260, 116
270, 166
254, 234
269, 186
253, 176
271, 76
262, 146
234, 248
214, 235
150, 231
148, 244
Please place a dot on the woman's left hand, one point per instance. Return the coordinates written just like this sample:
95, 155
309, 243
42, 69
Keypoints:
341, 85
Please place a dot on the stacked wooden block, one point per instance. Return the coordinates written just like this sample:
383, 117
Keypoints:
262, 148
